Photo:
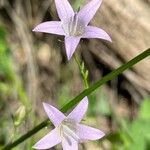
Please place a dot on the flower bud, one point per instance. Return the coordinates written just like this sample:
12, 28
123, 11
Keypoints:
19, 115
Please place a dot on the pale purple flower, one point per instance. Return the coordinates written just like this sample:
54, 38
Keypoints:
73, 25
67, 130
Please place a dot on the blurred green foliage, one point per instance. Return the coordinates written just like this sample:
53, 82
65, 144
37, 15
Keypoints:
9, 80
99, 104
10, 89
144, 112
134, 135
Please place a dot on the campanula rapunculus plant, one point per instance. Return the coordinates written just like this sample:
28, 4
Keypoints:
67, 130
73, 25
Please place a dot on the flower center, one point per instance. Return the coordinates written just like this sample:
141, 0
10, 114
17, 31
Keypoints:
73, 26
68, 130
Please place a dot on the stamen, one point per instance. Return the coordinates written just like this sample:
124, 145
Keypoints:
75, 23
70, 133
68, 129
70, 24
73, 26
68, 139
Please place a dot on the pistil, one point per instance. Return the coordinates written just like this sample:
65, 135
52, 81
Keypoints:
68, 130
73, 26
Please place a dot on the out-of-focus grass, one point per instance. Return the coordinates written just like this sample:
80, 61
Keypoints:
11, 91
9, 78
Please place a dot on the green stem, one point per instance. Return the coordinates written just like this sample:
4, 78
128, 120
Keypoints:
81, 96
76, 4
83, 72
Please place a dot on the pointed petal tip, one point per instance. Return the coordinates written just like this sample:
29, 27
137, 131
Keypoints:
89, 10
68, 57
48, 141
55, 116
71, 44
95, 32
34, 147
44, 104
64, 9
109, 39
35, 29
85, 100
78, 112
106, 36
102, 134
89, 133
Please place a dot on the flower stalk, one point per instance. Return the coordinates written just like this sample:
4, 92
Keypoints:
76, 4
83, 71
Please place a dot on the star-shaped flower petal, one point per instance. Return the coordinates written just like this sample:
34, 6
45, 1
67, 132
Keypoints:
73, 25
68, 129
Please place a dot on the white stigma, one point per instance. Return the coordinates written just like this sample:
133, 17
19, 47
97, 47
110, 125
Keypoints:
73, 26
68, 129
